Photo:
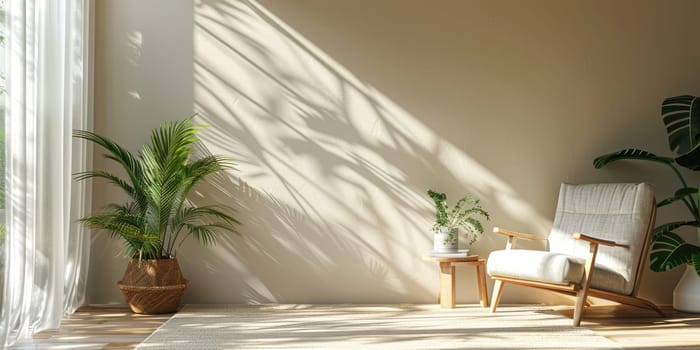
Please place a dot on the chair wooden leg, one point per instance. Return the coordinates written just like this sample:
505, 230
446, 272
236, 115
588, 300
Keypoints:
496, 297
649, 305
626, 299
642, 303
580, 302
585, 283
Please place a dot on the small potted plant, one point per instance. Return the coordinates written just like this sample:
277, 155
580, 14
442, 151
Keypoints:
448, 221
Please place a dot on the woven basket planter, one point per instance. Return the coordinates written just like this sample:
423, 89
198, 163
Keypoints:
153, 300
153, 286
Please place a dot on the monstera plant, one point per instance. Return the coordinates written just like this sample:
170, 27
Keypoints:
681, 116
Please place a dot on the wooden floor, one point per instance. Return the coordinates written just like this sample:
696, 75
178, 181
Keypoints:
635, 328
118, 328
97, 328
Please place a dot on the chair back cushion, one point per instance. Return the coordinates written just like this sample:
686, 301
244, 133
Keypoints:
617, 212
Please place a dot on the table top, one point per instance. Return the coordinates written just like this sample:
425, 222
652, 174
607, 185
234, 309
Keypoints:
450, 259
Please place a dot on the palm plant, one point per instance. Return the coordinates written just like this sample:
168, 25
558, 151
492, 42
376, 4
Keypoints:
159, 178
681, 116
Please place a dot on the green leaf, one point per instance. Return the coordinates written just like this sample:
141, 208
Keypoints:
669, 227
696, 264
680, 194
690, 160
670, 251
441, 215
681, 115
629, 154
159, 179
105, 175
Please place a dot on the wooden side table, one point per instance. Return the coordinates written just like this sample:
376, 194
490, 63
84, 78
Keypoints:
446, 295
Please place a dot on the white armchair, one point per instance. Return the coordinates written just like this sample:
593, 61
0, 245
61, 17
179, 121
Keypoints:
597, 247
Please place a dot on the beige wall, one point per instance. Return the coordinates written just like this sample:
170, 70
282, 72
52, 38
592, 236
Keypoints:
342, 113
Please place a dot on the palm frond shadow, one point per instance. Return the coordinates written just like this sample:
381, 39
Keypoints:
328, 191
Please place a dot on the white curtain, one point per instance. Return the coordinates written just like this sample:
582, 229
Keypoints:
47, 96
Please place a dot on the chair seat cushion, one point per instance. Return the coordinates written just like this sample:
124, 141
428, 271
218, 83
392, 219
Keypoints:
550, 267
536, 265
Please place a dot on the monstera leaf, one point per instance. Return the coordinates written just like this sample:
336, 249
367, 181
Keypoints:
696, 264
690, 160
670, 251
669, 227
679, 195
681, 115
629, 153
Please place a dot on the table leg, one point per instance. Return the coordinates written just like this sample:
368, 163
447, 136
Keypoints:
481, 281
447, 285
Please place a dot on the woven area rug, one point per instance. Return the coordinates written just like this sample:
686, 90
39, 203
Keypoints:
370, 327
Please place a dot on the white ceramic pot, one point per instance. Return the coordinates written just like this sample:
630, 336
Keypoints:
445, 241
686, 295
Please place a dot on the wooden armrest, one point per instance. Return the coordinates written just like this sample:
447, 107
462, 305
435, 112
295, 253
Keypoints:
516, 234
583, 237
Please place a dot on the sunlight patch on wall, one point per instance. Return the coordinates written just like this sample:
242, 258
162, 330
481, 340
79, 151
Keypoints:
134, 45
339, 170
